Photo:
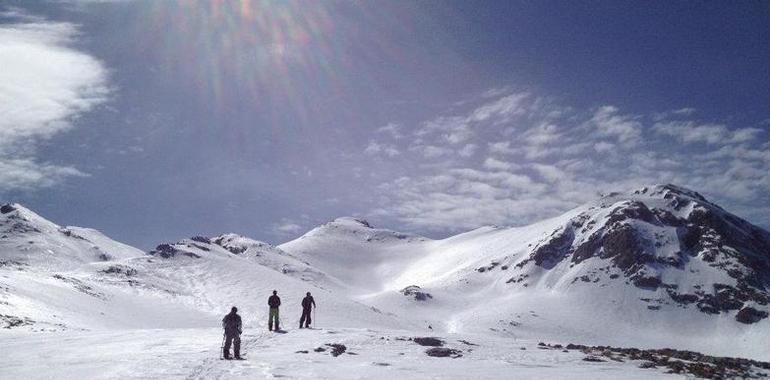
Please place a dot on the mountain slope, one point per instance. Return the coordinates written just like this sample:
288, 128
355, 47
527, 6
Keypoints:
661, 265
656, 267
27, 238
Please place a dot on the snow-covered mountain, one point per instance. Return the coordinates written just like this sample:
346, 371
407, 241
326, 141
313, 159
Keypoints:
661, 265
656, 267
26, 238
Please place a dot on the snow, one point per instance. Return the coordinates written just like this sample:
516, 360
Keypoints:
193, 353
84, 306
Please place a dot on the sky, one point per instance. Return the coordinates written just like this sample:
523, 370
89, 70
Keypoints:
154, 121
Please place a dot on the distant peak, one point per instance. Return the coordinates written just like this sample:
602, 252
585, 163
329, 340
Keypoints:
669, 190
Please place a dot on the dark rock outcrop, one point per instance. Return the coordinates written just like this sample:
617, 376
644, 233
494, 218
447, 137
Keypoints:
443, 352
429, 341
750, 315
680, 361
416, 292
168, 251
337, 349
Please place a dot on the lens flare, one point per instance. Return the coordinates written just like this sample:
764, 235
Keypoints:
265, 55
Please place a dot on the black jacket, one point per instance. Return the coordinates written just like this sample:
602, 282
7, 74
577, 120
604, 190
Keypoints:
274, 301
232, 324
307, 301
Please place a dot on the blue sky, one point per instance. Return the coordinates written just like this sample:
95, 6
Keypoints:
153, 121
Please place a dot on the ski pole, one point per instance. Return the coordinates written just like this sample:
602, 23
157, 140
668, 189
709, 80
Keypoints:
315, 320
222, 349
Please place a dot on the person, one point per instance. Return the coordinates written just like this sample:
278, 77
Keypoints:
274, 302
307, 304
232, 325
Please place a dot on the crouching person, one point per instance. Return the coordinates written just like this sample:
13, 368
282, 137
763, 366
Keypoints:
232, 325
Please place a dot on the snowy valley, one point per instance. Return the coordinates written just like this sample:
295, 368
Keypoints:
653, 268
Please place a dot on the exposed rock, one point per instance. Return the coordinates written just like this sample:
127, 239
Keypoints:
429, 341
416, 292
80, 286
443, 352
681, 362
642, 281
6, 208
555, 249
631, 210
69, 233
234, 249
750, 315
12, 321
337, 349
120, 269
201, 239
168, 251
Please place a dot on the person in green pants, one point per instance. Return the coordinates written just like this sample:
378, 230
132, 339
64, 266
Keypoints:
274, 302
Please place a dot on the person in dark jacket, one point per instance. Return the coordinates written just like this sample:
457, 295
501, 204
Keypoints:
307, 304
273, 302
232, 325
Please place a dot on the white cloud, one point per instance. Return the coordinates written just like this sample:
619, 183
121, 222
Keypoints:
603, 147
691, 132
495, 92
459, 129
44, 86
374, 148
452, 129
502, 108
466, 198
745, 135
543, 134
501, 147
289, 228
543, 158
392, 129
286, 227
610, 123
495, 164
468, 150
432, 151
550, 172
26, 174
687, 111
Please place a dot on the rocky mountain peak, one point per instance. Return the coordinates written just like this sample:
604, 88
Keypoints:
666, 239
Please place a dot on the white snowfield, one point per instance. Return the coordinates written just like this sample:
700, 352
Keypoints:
76, 304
